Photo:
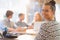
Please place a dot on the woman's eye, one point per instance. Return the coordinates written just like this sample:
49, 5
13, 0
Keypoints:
46, 10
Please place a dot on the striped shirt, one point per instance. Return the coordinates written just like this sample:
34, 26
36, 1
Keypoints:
21, 24
49, 31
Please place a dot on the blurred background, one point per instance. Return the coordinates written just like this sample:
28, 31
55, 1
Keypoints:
28, 7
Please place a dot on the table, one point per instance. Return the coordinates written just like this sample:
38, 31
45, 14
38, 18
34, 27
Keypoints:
28, 35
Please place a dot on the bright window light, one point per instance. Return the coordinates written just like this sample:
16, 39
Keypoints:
57, 13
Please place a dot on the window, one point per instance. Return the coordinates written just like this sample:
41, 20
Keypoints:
26, 7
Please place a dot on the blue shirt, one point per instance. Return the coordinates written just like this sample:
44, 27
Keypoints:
2, 27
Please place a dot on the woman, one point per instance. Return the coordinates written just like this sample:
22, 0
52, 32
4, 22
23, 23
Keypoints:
50, 29
37, 18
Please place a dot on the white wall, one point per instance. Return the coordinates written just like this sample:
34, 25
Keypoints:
58, 12
16, 6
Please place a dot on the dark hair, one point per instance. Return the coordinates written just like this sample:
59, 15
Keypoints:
20, 14
52, 5
8, 13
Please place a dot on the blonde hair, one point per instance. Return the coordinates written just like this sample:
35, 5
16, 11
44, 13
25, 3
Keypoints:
40, 18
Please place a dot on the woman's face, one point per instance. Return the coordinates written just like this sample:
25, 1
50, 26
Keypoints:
47, 12
37, 17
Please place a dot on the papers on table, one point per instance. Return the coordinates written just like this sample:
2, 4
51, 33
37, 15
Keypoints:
28, 32
31, 31
25, 37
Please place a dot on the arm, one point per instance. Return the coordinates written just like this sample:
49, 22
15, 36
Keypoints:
42, 35
30, 26
2, 27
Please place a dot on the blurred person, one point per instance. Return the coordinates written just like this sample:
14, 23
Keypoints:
21, 23
37, 21
37, 18
7, 21
50, 30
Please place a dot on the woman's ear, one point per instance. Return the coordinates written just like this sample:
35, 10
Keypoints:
54, 15
53, 12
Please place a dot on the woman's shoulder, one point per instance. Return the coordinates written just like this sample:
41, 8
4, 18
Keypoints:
48, 24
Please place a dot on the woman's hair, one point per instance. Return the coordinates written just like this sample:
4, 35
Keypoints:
40, 18
52, 5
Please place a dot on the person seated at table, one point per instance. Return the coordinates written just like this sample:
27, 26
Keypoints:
50, 30
7, 21
20, 22
37, 18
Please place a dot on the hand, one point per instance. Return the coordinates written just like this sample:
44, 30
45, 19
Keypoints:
18, 29
10, 29
30, 27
